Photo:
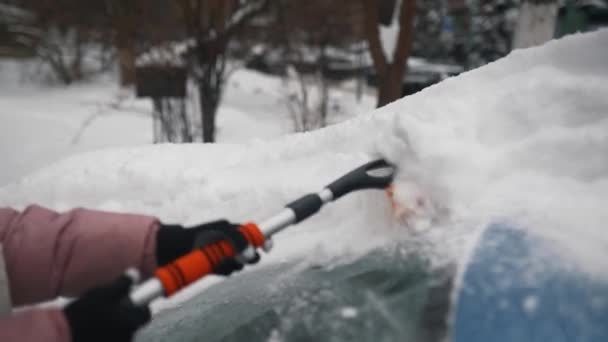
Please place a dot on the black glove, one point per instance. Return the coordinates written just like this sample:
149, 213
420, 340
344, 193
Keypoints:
174, 241
105, 314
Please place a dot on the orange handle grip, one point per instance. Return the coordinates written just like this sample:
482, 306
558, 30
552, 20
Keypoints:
201, 262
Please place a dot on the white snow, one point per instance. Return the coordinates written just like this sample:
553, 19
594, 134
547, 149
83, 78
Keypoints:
389, 35
349, 312
40, 125
524, 138
530, 304
168, 54
423, 65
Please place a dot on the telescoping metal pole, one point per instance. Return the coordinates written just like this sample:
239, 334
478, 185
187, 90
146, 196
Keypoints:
171, 278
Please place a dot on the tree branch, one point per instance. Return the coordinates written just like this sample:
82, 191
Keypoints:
244, 14
406, 28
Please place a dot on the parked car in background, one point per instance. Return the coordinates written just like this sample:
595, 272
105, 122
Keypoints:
340, 65
422, 73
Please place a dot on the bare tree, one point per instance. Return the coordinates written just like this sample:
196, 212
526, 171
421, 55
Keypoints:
307, 99
304, 40
308, 35
390, 70
66, 32
63, 50
171, 122
212, 24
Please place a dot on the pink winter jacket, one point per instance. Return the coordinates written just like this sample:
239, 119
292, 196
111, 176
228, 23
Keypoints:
50, 254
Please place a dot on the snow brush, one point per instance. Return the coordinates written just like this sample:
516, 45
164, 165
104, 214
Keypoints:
191, 267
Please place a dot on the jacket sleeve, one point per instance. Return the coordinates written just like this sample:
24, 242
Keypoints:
50, 254
47, 325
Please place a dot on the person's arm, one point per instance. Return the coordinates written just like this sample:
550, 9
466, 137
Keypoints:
47, 325
48, 254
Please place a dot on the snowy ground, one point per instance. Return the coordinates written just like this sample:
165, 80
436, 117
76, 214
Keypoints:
523, 139
40, 124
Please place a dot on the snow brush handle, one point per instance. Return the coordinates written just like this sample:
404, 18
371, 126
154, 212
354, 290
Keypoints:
377, 174
202, 261
191, 267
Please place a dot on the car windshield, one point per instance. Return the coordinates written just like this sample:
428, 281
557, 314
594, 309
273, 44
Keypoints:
385, 295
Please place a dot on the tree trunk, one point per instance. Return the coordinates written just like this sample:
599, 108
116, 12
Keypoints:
126, 60
324, 102
390, 88
76, 64
209, 102
157, 126
390, 74
186, 135
59, 69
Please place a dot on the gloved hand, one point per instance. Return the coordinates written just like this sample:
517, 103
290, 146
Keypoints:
102, 315
174, 241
